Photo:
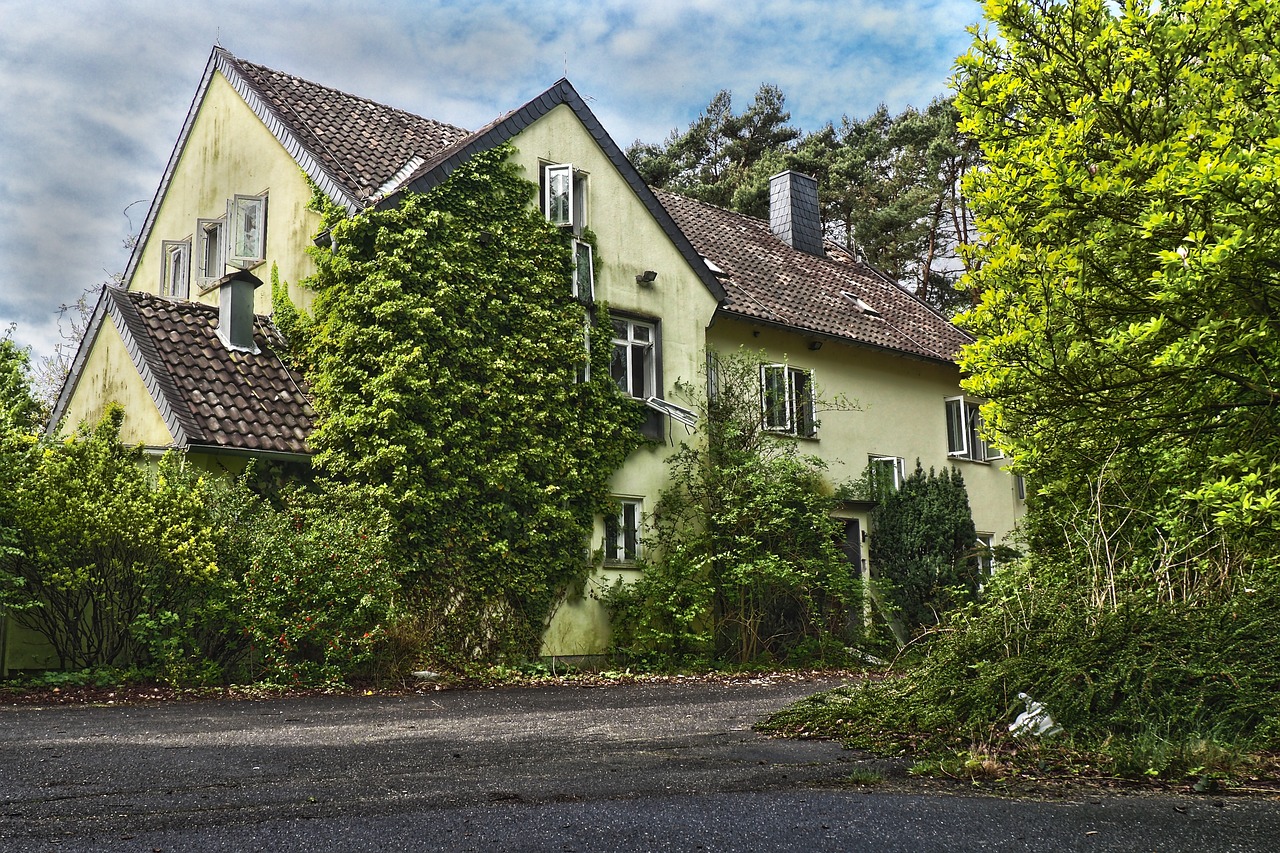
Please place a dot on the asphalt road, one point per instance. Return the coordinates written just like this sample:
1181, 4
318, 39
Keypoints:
642, 767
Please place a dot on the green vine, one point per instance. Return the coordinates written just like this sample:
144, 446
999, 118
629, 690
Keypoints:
445, 357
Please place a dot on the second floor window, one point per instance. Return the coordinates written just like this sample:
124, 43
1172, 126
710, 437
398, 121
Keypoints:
175, 276
964, 431
634, 362
786, 400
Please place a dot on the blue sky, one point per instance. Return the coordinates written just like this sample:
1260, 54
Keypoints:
94, 92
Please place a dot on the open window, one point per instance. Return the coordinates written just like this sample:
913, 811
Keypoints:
622, 532
964, 431
211, 251
564, 196
247, 221
634, 362
786, 400
886, 473
175, 275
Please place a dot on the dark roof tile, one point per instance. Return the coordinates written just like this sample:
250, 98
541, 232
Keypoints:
768, 281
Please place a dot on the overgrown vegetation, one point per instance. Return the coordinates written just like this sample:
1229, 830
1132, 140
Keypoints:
445, 355
745, 564
1127, 343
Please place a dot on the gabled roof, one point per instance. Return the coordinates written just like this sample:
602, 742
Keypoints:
767, 281
211, 398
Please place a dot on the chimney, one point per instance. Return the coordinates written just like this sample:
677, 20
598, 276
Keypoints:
793, 211
235, 310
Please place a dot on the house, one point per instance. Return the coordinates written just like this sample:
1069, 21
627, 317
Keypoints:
189, 350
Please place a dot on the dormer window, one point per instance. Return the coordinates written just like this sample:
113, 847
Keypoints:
247, 219
564, 196
175, 276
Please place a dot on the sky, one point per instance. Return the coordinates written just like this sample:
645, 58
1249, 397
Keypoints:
93, 93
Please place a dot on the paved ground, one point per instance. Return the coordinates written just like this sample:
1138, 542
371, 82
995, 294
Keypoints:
642, 767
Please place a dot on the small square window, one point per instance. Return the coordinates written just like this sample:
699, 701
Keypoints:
175, 277
622, 532
786, 400
247, 219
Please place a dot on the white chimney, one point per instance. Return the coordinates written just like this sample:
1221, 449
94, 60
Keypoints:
794, 216
235, 310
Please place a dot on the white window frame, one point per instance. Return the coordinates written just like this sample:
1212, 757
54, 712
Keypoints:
623, 532
896, 464
986, 543
964, 431
583, 271
628, 340
558, 181
246, 230
211, 267
795, 413
175, 269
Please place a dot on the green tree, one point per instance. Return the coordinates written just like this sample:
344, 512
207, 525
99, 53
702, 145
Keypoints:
446, 355
923, 550
1129, 333
745, 558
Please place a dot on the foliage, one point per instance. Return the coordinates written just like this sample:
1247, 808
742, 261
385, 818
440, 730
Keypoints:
445, 374
1127, 335
315, 589
19, 410
106, 547
922, 550
889, 186
745, 564
1146, 688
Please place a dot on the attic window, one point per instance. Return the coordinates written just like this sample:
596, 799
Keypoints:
211, 251
564, 196
862, 307
247, 215
175, 277
583, 272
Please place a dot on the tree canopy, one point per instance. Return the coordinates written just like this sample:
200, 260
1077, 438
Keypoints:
1129, 329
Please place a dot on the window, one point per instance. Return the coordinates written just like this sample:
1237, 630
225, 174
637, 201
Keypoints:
786, 400
886, 473
964, 431
247, 219
1020, 487
175, 276
986, 554
622, 532
634, 362
564, 196
583, 272
211, 251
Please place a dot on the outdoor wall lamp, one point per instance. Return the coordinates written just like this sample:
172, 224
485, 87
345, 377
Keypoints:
646, 278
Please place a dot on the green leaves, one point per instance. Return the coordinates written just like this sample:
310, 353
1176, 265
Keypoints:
445, 373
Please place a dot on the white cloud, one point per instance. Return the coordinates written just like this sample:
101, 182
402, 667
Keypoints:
93, 92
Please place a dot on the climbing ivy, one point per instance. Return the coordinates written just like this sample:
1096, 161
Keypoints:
444, 355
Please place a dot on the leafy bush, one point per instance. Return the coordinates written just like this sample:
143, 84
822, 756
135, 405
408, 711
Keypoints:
746, 564
922, 550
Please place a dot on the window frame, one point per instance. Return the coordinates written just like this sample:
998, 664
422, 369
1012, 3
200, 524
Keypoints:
175, 268
206, 275
897, 464
623, 532
582, 249
964, 431
551, 173
237, 219
651, 366
798, 405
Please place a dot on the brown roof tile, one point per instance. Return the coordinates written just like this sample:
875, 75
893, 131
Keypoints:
766, 280
220, 397
363, 144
